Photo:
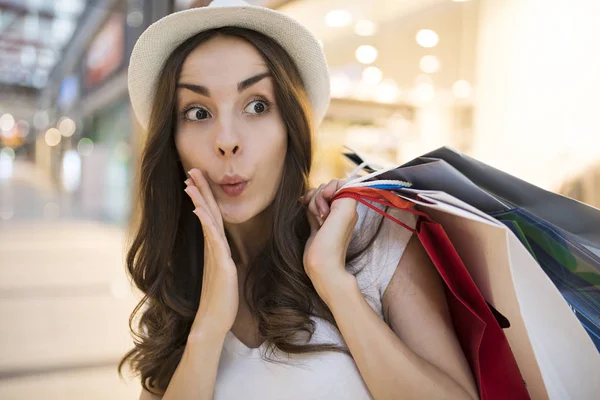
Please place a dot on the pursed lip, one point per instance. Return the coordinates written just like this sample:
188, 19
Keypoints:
232, 180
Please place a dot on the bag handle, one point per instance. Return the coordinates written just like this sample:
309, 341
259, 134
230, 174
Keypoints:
383, 197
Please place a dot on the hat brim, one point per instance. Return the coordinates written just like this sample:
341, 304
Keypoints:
159, 40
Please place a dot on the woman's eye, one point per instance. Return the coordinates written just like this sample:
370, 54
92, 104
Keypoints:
257, 107
196, 114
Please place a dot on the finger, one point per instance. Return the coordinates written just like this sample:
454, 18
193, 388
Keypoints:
206, 221
312, 205
332, 187
212, 236
346, 218
197, 199
327, 194
195, 196
308, 196
323, 196
322, 205
313, 222
202, 184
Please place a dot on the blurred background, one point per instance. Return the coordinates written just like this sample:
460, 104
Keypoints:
514, 83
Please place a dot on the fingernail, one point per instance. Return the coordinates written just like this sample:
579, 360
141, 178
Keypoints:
321, 212
320, 219
189, 172
188, 182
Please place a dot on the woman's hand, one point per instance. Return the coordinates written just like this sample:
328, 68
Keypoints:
219, 299
331, 231
317, 199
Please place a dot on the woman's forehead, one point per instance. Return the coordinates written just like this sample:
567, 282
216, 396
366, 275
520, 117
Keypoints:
227, 59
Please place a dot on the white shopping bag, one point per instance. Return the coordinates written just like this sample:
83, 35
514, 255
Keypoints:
555, 355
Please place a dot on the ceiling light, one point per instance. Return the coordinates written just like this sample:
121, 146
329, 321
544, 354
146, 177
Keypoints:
66, 126
338, 18
7, 122
427, 38
372, 75
429, 64
461, 89
52, 137
366, 54
387, 91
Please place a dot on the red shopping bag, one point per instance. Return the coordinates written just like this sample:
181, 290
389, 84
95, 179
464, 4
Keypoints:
481, 337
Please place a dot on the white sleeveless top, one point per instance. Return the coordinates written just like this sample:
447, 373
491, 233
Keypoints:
242, 374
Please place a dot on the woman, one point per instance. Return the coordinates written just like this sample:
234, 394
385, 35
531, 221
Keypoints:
267, 303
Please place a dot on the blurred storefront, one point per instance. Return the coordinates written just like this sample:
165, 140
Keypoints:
401, 78
106, 171
513, 83
85, 137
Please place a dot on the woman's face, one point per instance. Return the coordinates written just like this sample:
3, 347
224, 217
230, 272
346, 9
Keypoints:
229, 127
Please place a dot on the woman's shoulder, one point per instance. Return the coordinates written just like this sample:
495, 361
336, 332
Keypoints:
375, 267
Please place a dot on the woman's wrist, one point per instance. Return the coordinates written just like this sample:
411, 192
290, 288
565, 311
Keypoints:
203, 330
336, 286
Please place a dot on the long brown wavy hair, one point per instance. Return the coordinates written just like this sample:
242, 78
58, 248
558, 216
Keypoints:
165, 256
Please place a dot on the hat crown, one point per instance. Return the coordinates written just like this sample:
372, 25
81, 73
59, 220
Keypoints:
228, 3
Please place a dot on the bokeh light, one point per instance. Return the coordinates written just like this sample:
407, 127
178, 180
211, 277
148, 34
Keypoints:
427, 38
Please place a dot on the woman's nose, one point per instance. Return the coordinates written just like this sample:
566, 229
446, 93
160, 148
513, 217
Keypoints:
227, 142
226, 150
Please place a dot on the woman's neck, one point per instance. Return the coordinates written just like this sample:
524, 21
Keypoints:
247, 239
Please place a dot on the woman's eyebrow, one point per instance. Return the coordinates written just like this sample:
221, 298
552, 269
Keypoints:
246, 83
243, 85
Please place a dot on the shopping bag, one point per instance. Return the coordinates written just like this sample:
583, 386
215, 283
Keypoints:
569, 215
570, 258
574, 272
481, 337
556, 357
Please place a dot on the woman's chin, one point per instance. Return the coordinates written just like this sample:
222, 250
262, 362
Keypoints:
241, 212
235, 220
235, 216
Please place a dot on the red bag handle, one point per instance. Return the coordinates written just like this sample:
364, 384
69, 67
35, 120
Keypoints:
364, 194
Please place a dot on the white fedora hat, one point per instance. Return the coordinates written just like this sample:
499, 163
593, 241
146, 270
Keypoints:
157, 42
